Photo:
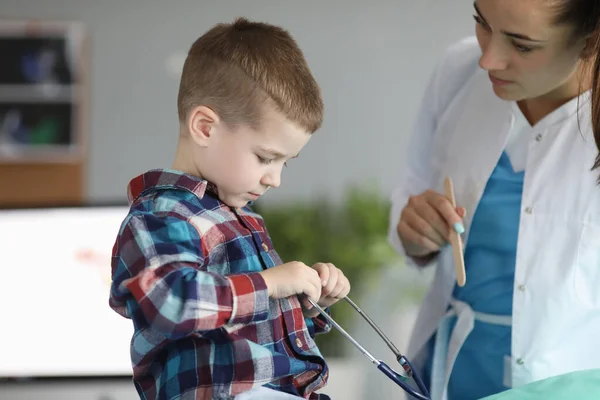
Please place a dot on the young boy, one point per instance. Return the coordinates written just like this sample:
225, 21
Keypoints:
215, 312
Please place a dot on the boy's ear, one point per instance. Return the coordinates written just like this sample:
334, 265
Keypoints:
202, 122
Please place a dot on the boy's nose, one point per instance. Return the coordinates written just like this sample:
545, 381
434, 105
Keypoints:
272, 180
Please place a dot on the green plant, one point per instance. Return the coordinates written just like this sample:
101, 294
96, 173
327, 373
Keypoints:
351, 234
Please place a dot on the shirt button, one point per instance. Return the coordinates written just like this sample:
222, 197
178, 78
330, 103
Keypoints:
298, 342
528, 210
265, 247
538, 137
520, 361
522, 288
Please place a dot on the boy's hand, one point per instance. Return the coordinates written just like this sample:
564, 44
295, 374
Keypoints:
291, 279
335, 287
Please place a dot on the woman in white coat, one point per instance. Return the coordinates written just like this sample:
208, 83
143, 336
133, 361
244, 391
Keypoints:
508, 116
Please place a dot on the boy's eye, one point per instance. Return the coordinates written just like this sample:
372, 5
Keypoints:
263, 160
268, 161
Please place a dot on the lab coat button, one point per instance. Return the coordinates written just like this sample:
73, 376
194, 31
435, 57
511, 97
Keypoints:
528, 210
522, 288
520, 361
538, 137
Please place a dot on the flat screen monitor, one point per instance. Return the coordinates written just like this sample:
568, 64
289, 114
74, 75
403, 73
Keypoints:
54, 289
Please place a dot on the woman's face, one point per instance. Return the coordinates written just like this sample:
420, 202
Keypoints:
526, 54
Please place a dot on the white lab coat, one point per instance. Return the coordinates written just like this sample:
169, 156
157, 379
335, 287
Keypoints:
461, 132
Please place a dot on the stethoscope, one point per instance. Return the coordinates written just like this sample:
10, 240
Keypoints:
400, 379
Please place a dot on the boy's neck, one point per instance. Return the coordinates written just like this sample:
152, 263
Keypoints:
184, 161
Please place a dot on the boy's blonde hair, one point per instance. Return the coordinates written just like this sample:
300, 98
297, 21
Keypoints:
235, 69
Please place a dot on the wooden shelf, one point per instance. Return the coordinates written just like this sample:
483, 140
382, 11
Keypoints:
41, 184
52, 174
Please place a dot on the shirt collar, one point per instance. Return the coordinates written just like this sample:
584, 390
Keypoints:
168, 179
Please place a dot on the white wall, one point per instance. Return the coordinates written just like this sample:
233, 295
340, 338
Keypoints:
372, 59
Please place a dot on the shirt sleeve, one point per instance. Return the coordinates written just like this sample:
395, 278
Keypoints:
317, 325
159, 279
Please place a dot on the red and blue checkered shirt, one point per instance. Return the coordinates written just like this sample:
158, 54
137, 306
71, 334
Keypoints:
185, 269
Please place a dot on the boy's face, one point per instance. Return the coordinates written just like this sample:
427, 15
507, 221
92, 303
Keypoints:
245, 163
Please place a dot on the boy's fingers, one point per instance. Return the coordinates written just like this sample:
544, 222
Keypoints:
323, 271
337, 290
309, 292
305, 303
314, 289
334, 274
346, 289
342, 288
317, 282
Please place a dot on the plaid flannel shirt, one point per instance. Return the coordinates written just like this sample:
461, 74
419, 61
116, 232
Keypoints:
185, 269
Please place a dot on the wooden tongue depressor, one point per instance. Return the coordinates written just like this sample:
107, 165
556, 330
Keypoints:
455, 239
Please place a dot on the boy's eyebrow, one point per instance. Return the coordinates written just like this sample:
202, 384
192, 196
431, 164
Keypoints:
275, 153
510, 34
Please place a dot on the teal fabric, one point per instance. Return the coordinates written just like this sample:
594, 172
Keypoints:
490, 258
581, 385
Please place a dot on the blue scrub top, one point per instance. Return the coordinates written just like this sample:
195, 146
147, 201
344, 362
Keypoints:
490, 257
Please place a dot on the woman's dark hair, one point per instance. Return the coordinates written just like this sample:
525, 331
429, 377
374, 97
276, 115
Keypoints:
584, 17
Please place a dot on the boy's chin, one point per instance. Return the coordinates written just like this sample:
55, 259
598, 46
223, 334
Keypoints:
234, 202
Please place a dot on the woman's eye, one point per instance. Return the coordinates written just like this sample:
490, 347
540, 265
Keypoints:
522, 49
480, 21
